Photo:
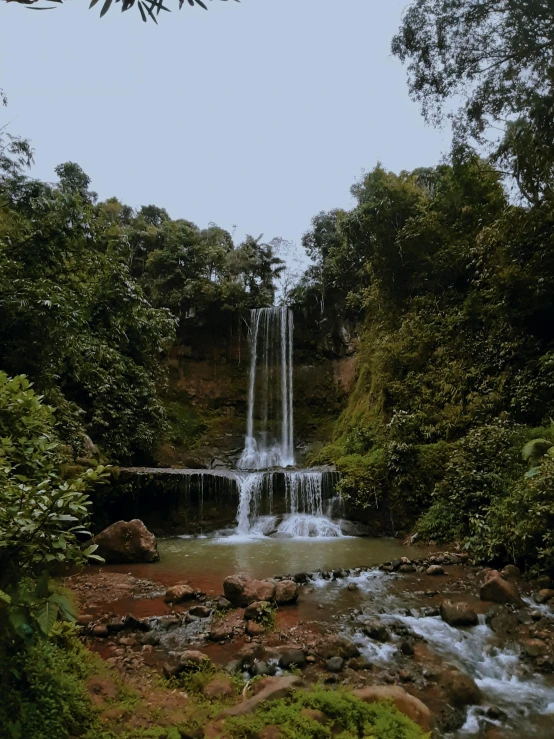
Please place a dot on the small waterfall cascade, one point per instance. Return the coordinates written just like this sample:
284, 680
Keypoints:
269, 443
269, 432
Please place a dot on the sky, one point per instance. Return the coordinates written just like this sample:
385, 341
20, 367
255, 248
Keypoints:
255, 116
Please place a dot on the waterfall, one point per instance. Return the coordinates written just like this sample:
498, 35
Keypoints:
270, 428
269, 442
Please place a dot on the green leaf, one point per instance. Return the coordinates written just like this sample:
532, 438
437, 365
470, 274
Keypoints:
47, 614
4, 597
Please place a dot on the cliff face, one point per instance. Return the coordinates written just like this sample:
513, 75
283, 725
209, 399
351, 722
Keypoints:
206, 398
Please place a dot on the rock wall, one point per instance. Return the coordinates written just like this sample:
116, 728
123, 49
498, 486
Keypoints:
206, 398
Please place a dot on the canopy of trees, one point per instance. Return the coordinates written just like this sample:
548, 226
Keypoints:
91, 294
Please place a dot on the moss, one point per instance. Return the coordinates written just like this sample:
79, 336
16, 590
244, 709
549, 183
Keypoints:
347, 716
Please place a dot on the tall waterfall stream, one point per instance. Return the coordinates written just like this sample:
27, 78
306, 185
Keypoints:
269, 439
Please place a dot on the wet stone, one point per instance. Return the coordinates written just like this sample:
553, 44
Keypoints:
376, 631
335, 664
292, 657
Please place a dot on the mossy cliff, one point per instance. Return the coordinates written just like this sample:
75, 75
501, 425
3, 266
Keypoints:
206, 396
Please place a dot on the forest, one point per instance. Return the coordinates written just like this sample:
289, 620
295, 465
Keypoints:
446, 274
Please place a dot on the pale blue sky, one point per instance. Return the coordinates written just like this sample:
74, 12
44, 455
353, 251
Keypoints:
259, 114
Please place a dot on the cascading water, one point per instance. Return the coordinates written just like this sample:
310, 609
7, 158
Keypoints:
269, 432
269, 443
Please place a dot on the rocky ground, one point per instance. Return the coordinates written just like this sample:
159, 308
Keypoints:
307, 628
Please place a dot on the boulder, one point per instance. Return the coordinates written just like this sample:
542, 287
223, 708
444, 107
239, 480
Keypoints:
292, 657
179, 593
240, 591
376, 631
286, 592
274, 689
435, 570
460, 689
498, 590
127, 542
407, 704
458, 614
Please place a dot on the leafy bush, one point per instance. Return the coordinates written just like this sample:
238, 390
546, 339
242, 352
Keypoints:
43, 693
42, 516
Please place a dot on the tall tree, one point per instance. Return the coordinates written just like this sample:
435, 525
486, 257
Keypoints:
497, 56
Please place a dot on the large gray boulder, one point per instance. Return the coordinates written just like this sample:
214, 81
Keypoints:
125, 542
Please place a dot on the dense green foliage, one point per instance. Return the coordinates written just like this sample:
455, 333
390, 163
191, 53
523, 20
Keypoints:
91, 293
43, 517
456, 358
349, 718
43, 693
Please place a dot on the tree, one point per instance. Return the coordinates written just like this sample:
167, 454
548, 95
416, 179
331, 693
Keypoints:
497, 56
147, 8
42, 516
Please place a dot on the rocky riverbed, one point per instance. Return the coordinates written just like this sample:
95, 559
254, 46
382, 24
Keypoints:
474, 647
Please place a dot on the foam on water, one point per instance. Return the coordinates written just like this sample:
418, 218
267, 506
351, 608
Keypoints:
498, 672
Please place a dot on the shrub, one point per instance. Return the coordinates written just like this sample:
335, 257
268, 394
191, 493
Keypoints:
349, 718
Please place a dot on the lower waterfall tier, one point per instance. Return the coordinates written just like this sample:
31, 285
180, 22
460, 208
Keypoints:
281, 503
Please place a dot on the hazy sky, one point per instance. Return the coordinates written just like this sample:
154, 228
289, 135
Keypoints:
257, 115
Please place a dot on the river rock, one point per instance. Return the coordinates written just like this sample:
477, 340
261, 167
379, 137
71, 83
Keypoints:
435, 570
221, 632
255, 611
100, 631
191, 658
338, 646
274, 689
335, 664
262, 669
286, 592
534, 647
200, 611
543, 596
241, 590
127, 542
151, 638
292, 657
253, 628
460, 689
376, 631
407, 704
179, 593
511, 573
498, 590
223, 604
458, 614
